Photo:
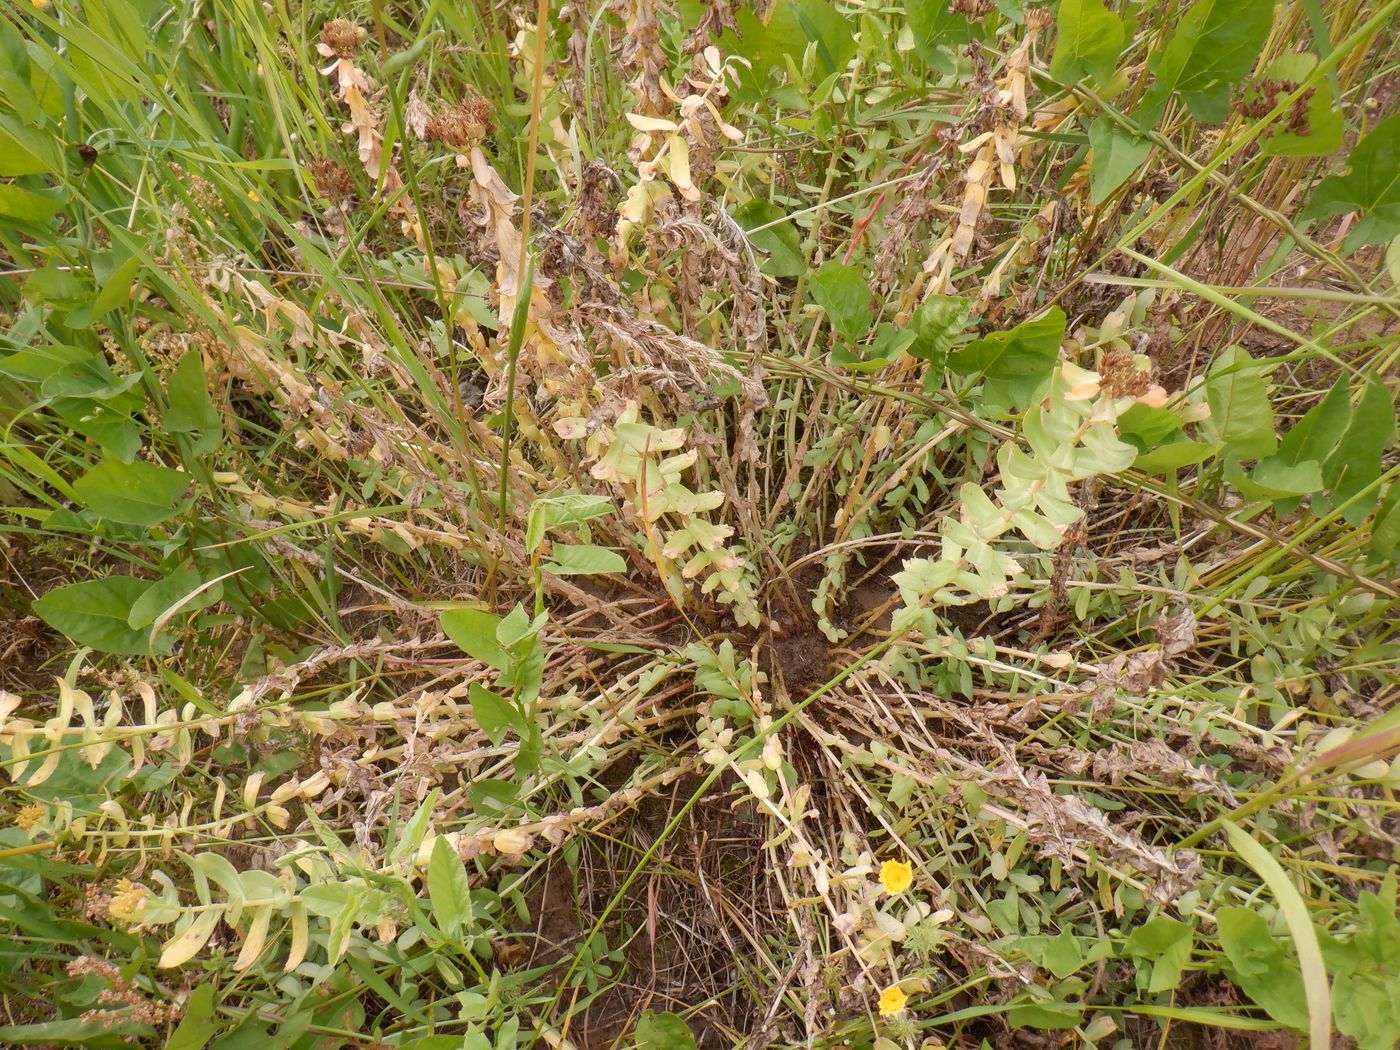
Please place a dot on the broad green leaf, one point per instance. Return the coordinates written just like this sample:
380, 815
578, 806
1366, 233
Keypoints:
1063, 954
1372, 187
663, 1031
24, 205
136, 493
1315, 436
1385, 531
584, 559
1167, 943
16, 83
1016, 363
1294, 908
780, 245
1260, 966
1241, 416
449, 892
1117, 154
494, 713
117, 1034
937, 30
163, 594
1088, 39
27, 150
1209, 49
1174, 456
117, 285
196, 1025
1356, 463
1274, 479
95, 612
571, 508
115, 432
1146, 426
832, 32
937, 323
844, 294
57, 287
189, 407
474, 632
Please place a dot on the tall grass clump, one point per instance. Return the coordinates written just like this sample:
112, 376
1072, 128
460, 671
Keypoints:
747, 523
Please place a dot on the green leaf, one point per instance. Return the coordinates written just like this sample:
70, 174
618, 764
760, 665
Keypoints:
570, 508
95, 612
1372, 187
832, 32
1274, 479
448, 889
1167, 943
1089, 38
16, 84
1117, 154
196, 1025
1356, 462
474, 632
1147, 426
1316, 435
1241, 416
780, 244
27, 150
584, 559
937, 323
494, 713
1260, 966
1174, 456
843, 292
117, 288
54, 286
1211, 48
1300, 929
136, 493
663, 1031
190, 409
937, 29
24, 205
74, 1031
1063, 955
163, 594
1016, 363
1385, 531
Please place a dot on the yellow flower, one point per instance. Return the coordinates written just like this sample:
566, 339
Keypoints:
30, 816
128, 903
896, 876
892, 1001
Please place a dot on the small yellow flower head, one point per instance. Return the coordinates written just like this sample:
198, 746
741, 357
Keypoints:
29, 816
892, 1001
40, 5
252, 196
896, 876
128, 903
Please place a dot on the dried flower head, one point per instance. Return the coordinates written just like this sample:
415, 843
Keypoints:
896, 876
463, 126
892, 1001
1121, 376
333, 181
1039, 19
341, 38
